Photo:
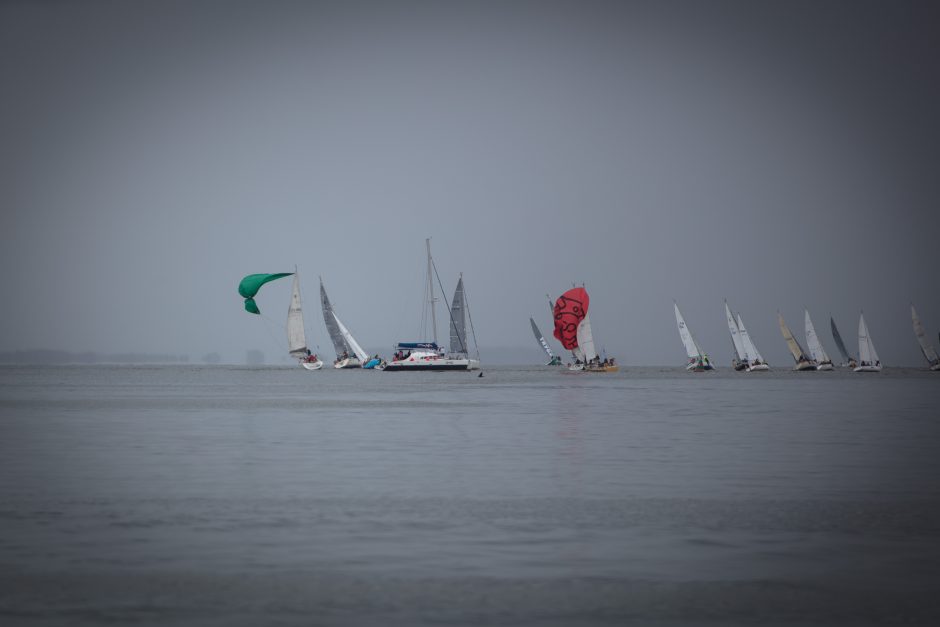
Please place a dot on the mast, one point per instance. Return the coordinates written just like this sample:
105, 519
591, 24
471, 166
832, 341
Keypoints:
431, 298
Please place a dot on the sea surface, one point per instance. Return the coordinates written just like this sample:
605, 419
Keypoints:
181, 495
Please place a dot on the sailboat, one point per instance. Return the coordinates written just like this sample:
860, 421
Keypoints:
803, 362
698, 360
296, 336
739, 358
553, 359
573, 330
933, 360
816, 350
346, 356
847, 360
428, 356
867, 357
755, 363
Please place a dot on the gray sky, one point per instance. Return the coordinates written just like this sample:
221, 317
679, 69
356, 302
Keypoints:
777, 154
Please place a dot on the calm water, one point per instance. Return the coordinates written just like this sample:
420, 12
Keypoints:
239, 496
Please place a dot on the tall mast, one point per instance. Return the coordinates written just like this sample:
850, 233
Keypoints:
431, 298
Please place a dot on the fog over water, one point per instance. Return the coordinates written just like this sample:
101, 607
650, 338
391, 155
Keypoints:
778, 155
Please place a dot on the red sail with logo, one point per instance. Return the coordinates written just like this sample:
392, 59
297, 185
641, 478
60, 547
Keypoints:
570, 309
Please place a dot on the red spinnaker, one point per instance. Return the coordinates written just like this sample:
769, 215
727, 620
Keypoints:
570, 309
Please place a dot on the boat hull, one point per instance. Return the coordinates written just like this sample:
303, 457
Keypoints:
825, 366
935, 368
758, 368
350, 362
804, 366
868, 369
695, 367
312, 365
431, 366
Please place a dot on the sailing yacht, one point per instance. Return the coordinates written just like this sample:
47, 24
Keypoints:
803, 362
573, 330
553, 359
346, 355
933, 360
847, 360
867, 357
428, 356
296, 337
755, 363
698, 360
739, 357
816, 350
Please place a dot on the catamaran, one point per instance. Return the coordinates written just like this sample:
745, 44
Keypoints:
428, 356
867, 357
698, 360
553, 359
803, 362
739, 357
573, 330
847, 360
816, 350
347, 355
755, 363
933, 360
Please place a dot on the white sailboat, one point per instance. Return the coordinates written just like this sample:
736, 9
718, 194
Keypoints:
755, 363
933, 360
816, 350
698, 360
867, 357
296, 337
739, 359
428, 356
345, 355
803, 362
573, 330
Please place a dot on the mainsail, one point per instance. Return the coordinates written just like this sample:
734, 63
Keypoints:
250, 285
541, 339
838, 339
866, 349
458, 320
929, 353
816, 349
735, 334
795, 349
353, 344
750, 350
339, 342
296, 338
691, 346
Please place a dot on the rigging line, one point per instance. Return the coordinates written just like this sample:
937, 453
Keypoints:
470, 319
450, 314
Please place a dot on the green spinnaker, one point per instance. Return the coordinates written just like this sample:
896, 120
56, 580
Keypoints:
252, 283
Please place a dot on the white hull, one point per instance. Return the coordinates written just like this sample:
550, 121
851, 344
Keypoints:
350, 362
430, 362
935, 368
806, 365
312, 365
868, 369
758, 368
826, 366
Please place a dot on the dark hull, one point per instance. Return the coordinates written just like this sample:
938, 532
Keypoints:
392, 368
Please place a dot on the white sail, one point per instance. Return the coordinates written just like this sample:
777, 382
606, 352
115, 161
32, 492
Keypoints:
816, 350
458, 321
586, 339
750, 350
866, 349
351, 341
925, 346
339, 344
735, 334
296, 338
691, 347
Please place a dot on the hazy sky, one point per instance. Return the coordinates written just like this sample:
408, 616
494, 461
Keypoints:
776, 154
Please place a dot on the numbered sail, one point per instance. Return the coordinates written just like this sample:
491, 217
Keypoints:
586, 339
926, 348
336, 336
795, 349
691, 346
750, 349
866, 349
735, 334
838, 340
458, 320
541, 339
816, 349
350, 340
296, 338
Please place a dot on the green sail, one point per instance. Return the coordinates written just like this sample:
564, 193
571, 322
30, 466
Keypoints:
252, 283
